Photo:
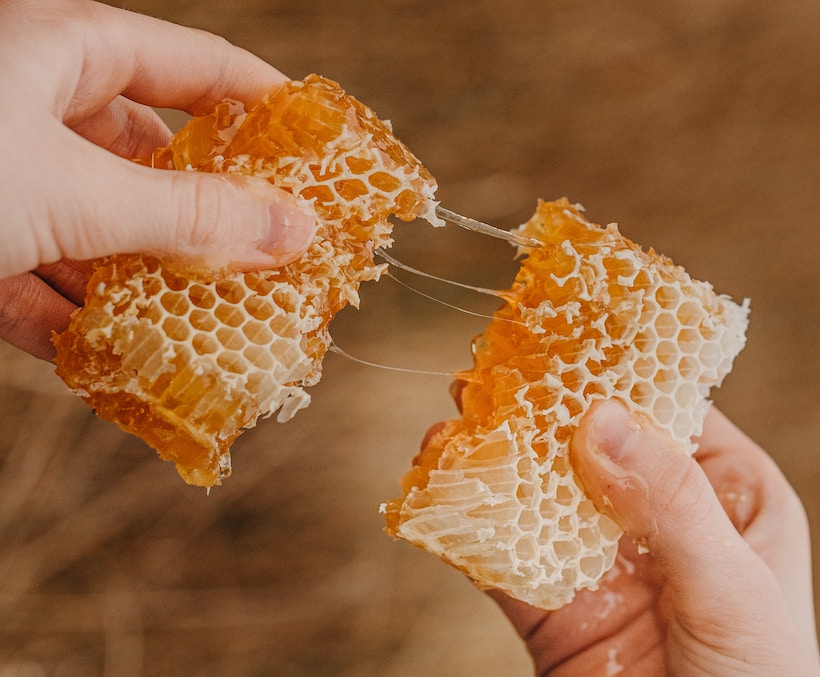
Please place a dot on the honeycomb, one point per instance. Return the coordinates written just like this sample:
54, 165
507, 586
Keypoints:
590, 316
188, 359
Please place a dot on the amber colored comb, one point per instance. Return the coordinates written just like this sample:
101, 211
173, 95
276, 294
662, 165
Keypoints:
189, 361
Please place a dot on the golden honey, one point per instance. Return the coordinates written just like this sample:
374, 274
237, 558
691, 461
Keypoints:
187, 359
590, 316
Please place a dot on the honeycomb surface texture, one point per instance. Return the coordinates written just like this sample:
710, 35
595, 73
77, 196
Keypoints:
188, 360
590, 316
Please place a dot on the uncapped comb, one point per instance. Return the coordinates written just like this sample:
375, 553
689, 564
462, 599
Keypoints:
188, 360
590, 316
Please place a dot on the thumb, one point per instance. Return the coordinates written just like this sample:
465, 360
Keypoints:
660, 496
233, 221
242, 222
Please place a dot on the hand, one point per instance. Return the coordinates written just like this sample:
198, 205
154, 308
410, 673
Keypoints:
78, 81
726, 589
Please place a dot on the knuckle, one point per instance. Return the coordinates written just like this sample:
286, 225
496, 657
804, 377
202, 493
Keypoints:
205, 210
14, 295
681, 489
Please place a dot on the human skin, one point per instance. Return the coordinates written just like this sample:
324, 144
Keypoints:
79, 81
725, 588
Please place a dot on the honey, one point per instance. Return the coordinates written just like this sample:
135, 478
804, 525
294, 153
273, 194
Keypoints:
188, 359
590, 316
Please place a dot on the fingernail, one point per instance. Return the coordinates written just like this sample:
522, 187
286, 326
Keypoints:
292, 226
612, 430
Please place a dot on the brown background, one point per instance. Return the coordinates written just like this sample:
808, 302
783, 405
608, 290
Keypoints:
694, 125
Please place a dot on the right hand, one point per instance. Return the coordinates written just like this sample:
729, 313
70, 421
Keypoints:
726, 589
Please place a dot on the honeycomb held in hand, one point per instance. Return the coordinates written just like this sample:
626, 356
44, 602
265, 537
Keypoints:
590, 316
187, 360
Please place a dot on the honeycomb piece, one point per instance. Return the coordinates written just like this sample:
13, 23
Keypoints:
590, 316
187, 360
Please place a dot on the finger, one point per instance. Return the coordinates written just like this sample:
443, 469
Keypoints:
763, 507
129, 129
662, 498
29, 311
101, 204
457, 393
579, 638
155, 62
753, 491
432, 431
68, 278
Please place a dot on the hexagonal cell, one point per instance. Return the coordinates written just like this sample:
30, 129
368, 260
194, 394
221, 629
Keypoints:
646, 341
689, 314
645, 367
586, 509
547, 532
232, 361
568, 523
666, 380
259, 307
201, 296
642, 394
350, 189
682, 425
231, 315
710, 355
565, 550
528, 520
573, 403
260, 283
230, 290
526, 548
282, 325
668, 352
175, 303
359, 165
176, 329
668, 297
565, 495
205, 344
664, 409
202, 320
231, 339
649, 311
687, 396
384, 181
259, 357
689, 341
549, 509
174, 282
257, 332
666, 325
574, 379
593, 566
589, 537
153, 312
524, 493
689, 367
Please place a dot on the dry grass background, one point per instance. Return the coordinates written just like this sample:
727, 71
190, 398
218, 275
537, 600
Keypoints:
694, 124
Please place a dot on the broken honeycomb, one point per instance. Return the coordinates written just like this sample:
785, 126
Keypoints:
590, 316
186, 359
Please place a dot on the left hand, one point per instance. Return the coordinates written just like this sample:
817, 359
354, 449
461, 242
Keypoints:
78, 83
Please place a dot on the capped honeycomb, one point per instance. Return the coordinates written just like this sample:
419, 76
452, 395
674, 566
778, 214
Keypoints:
590, 316
187, 359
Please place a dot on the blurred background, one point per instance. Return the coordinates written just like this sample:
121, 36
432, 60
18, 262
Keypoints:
693, 124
